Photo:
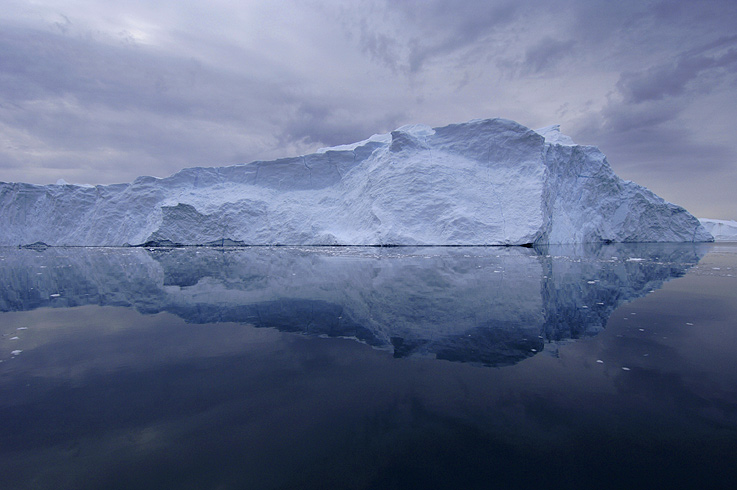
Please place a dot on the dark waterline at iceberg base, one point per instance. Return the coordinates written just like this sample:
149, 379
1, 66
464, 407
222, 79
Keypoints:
595, 366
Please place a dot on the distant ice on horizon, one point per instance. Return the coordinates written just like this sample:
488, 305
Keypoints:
721, 230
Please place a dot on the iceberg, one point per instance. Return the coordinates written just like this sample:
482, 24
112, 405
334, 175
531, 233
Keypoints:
722, 230
483, 182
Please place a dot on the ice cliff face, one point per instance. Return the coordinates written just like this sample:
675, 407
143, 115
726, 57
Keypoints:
485, 182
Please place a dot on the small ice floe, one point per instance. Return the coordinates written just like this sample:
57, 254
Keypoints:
599, 361
625, 368
14, 338
55, 295
16, 352
641, 329
600, 304
590, 282
533, 350
584, 306
716, 268
635, 259
689, 323
22, 328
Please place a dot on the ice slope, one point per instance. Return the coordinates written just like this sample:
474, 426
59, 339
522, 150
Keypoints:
722, 230
484, 182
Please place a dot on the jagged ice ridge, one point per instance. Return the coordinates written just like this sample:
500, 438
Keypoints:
484, 182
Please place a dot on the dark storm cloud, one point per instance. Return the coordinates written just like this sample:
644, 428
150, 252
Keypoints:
546, 54
324, 123
643, 114
673, 79
407, 35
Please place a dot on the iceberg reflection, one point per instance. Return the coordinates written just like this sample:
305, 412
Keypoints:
488, 305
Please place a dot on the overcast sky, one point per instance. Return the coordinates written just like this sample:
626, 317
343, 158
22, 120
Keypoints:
93, 91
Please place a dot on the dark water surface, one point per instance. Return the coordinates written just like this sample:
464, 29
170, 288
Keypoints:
277, 368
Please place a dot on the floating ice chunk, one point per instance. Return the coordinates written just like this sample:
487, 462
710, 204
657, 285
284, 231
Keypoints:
55, 295
600, 361
625, 368
16, 352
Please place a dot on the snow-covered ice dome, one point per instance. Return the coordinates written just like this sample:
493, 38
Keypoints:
483, 182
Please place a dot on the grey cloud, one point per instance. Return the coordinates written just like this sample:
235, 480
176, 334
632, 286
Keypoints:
40, 64
546, 54
650, 134
379, 46
625, 117
107, 107
672, 79
449, 27
407, 35
327, 124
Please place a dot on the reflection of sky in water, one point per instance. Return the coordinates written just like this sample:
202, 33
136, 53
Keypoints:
105, 397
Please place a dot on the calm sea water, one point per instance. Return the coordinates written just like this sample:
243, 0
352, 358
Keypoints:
286, 368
